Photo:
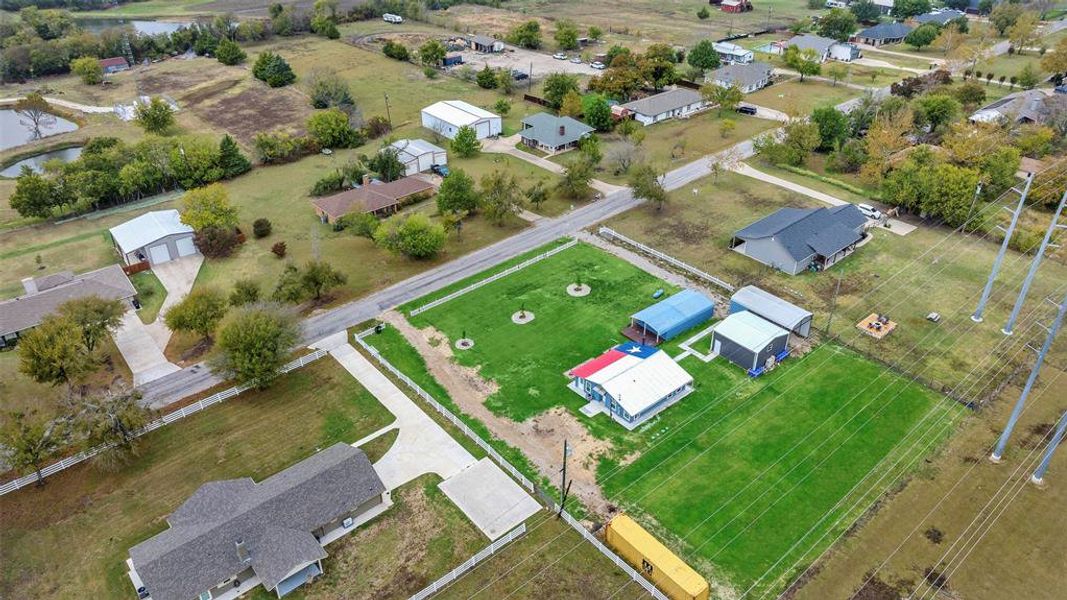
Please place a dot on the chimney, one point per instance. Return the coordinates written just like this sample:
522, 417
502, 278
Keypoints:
562, 130
30, 285
366, 179
242, 552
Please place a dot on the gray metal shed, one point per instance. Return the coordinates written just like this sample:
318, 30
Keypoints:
781, 312
747, 340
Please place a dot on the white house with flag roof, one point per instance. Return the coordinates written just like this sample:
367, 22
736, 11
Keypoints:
630, 382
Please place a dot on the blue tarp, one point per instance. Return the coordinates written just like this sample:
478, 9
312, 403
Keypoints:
676, 314
298, 579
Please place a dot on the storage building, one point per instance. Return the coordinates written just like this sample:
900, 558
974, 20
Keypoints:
447, 116
157, 236
652, 559
419, 156
749, 341
772, 308
670, 317
631, 382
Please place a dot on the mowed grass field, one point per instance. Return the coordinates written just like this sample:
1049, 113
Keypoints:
70, 538
798, 98
528, 361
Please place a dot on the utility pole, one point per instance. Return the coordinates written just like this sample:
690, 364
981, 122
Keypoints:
1039, 473
1052, 227
1003, 441
388, 115
564, 485
977, 192
529, 80
977, 316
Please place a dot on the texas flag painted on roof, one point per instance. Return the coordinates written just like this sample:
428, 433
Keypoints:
628, 350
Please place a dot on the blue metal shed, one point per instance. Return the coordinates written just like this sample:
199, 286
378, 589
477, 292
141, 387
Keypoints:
668, 318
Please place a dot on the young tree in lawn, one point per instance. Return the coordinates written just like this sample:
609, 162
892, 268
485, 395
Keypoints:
1029, 77
432, 52
501, 196
566, 35
256, 341
727, 127
572, 105
505, 82
465, 143
1004, 15
837, 72
94, 316
457, 193
329, 90
273, 70
727, 98
155, 116
33, 111
537, 194
486, 78
231, 160
208, 206
199, 312
289, 287
245, 291
89, 69
590, 149
805, 62
833, 127
414, 236
703, 56
1023, 32
921, 36
703, 13
645, 183
229, 53
556, 87
28, 441
526, 35
595, 33
320, 277
837, 24
574, 183
396, 51
53, 352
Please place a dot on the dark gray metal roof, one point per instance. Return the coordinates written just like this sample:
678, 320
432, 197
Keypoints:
886, 31
803, 232
273, 520
741, 74
545, 129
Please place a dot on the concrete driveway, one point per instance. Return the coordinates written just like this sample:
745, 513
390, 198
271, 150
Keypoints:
177, 276
140, 351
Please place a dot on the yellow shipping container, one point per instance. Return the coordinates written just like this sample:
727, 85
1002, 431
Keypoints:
661, 566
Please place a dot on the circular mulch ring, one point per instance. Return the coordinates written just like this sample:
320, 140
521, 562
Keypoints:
522, 317
577, 290
464, 344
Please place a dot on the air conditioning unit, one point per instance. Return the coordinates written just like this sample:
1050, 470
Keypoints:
348, 523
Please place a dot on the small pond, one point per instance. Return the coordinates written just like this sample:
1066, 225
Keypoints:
16, 130
37, 161
143, 27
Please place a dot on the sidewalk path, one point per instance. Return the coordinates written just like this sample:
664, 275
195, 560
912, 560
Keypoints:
506, 145
85, 108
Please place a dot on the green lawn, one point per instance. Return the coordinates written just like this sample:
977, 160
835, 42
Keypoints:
70, 538
528, 361
151, 294
757, 478
801, 97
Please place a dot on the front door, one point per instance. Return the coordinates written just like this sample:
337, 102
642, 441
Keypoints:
716, 346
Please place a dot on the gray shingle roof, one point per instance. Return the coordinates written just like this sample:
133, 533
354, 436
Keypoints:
886, 31
741, 74
817, 43
940, 17
544, 128
803, 232
1029, 105
664, 101
274, 520
24, 312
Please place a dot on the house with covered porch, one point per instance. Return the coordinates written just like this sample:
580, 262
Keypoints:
794, 240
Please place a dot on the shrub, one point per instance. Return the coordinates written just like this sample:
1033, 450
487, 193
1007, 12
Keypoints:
245, 291
429, 72
215, 242
261, 228
377, 126
208, 206
703, 13
360, 224
330, 129
229, 53
330, 183
281, 147
273, 70
88, 68
279, 249
414, 236
486, 78
396, 50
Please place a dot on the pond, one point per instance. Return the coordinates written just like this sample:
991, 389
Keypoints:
36, 162
143, 27
16, 130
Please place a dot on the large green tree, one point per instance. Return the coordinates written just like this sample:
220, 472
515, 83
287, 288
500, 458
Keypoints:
53, 352
94, 316
414, 235
833, 127
526, 35
28, 441
432, 52
319, 277
922, 36
208, 206
556, 87
726, 97
89, 69
330, 129
805, 62
155, 116
501, 196
255, 343
903, 9
457, 193
645, 184
703, 56
231, 160
566, 35
465, 143
837, 24
199, 312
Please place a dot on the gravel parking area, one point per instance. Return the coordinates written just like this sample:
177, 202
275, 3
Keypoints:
522, 59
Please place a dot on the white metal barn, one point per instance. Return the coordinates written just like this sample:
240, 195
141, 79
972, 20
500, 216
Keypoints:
158, 236
447, 116
772, 308
419, 156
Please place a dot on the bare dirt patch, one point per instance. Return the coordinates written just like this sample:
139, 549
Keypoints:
540, 438
254, 109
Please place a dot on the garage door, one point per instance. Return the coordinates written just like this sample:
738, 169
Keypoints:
185, 246
158, 254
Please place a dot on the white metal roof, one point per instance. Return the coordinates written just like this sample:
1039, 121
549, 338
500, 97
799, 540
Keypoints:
771, 307
644, 382
147, 228
416, 147
458, 112
749, 330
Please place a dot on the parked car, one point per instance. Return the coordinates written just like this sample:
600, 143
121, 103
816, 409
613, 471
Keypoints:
870, 212
577, 60
746, 109
441, 170
559, 56
519, 75
599, 66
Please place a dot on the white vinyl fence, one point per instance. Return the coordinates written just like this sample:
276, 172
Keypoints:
166, 419
470, 563
504, 464
611, 234
492, 278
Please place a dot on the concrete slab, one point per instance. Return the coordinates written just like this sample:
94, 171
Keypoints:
178, 277
140, 351
489, 498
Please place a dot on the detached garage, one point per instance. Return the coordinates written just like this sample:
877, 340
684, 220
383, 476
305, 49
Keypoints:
668, 318
448, 116
158, 237
772, 308
749, 342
